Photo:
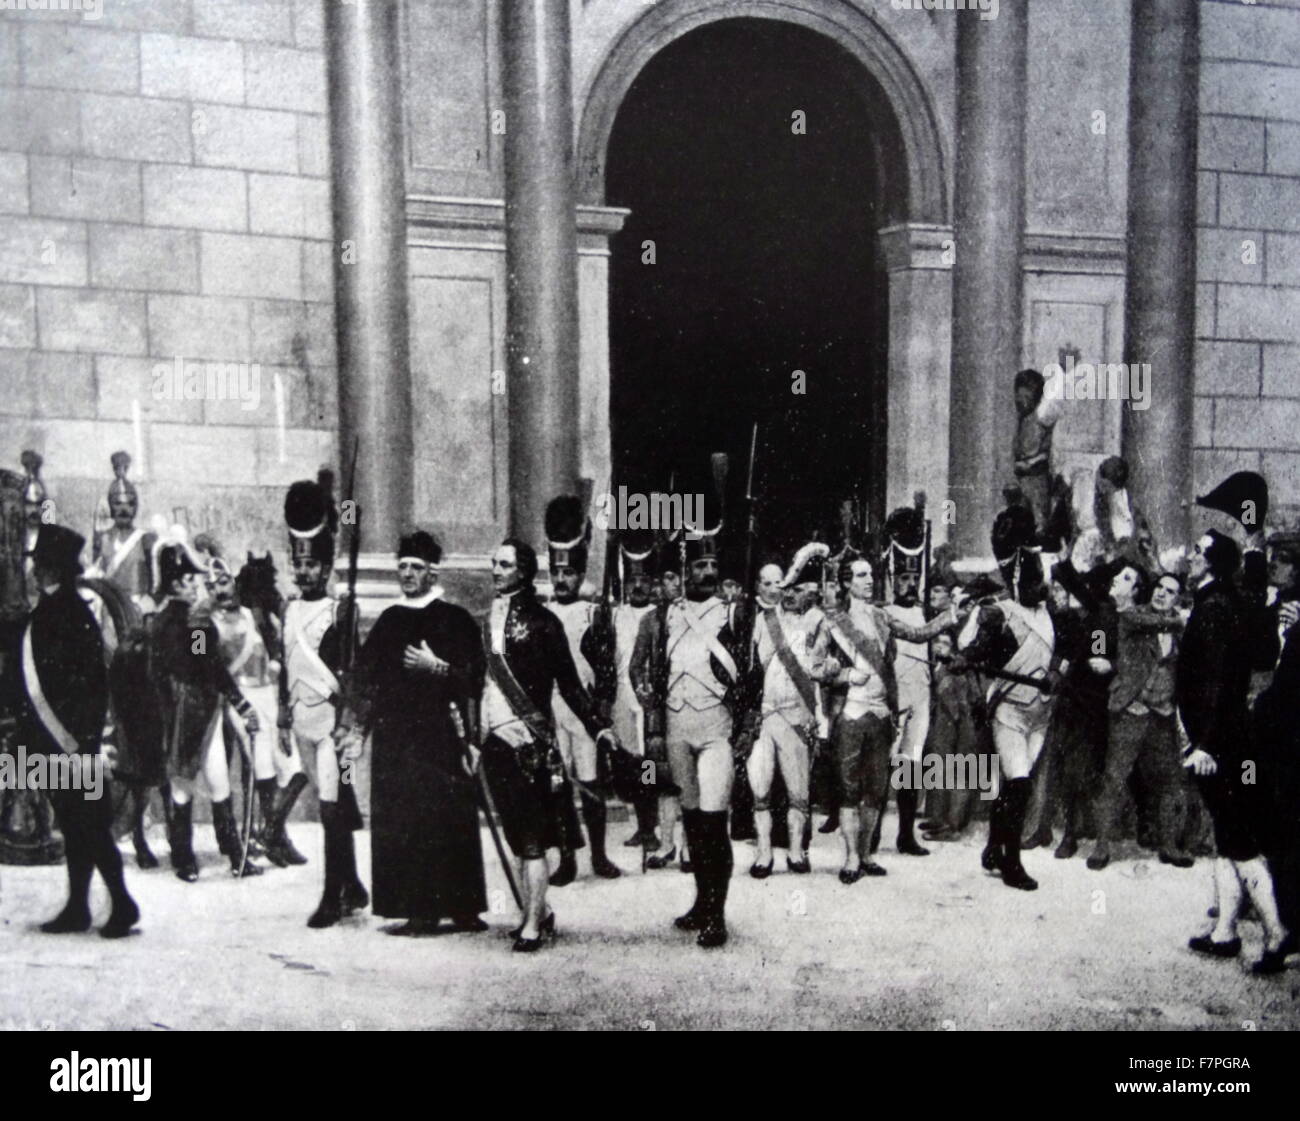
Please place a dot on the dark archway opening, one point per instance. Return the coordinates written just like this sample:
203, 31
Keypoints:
766, 262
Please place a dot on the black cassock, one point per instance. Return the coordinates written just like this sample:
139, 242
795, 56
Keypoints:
426, 859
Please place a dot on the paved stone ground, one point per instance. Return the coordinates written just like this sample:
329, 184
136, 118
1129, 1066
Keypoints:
937, 945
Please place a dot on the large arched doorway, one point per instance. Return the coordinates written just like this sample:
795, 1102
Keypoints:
766, 262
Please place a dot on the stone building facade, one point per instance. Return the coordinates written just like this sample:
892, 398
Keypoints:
291, 184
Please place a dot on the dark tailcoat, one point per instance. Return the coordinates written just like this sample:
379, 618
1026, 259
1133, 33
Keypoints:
1276, 720
69, 657
426, 859
192, 681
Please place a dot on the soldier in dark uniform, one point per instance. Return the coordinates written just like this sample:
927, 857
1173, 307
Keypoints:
192, 681
66, 695
528, 658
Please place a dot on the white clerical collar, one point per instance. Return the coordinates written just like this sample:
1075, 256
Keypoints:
424, 600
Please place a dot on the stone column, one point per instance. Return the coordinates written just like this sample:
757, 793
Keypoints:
1160, 296
541, 260
918, 259
370, 269
988, 219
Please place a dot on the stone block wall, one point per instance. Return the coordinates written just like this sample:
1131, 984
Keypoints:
1248, 247
164, 195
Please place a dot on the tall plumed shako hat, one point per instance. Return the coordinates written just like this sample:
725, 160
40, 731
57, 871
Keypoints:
1013, 537
905, 529
639, 549
307, 513
568, 533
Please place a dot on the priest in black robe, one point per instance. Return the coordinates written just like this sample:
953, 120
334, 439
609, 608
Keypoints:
415, 675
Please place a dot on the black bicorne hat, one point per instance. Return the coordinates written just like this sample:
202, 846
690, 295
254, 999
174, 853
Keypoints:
808, 566
307, 515
1243, 496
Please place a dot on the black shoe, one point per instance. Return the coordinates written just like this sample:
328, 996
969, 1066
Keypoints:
871, 868
712, 935
908, 847
657, 861
120, 921
144, 858
798, 867
354, 897
850, 876
527, 945
68, 922
1040, 840
241, 869
991, 858
282, 853
1014, 875
941, 833
761, 871
1271, 961
1204, 944
546, 927
567, 872
187, 870
1146, 839
692, 920
830, 825
327, 914
605, 868
1067, 848
642, 840
415, 928
1099, 859
687, 865
1177, 859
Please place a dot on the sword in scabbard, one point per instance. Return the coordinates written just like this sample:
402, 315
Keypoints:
248, 810
486, 804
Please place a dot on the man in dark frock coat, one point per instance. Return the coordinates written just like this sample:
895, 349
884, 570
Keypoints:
415, 675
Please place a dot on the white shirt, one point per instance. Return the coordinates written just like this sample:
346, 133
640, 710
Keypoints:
498, 717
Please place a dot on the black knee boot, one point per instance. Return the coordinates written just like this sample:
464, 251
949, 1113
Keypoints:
991, 857
907, 801
228, 841
647, 821
279, 849
694, 918
594, 814
138, 800
330, 909
180, 837
104, 854
353, 894
1013, 821
715, 880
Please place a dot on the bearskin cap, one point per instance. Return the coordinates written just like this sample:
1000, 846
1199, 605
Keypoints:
568, 532
307, 514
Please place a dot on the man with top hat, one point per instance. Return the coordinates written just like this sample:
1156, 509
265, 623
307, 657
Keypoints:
528, 659
791, 643
1224, 641
65, 698
860, 666
687, 661
310, 696
416, 677
123, 550
1014, 636
193, 685
905, 529
568, 538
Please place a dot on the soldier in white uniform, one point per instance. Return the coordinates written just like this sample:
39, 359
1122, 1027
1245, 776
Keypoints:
905, 528
791, 643
274, 772
1019, 712
686, 659
568, 537
637, 550
310, 697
